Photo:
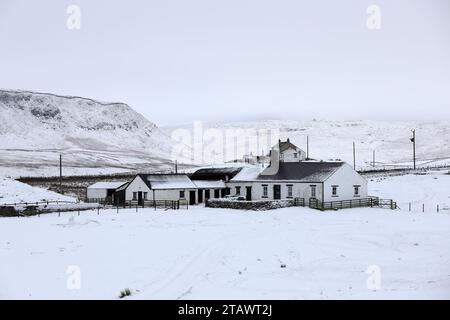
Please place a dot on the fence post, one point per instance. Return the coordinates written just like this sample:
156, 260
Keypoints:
98, 210
117, 209
136, 208
78, 211
437, 208
59, 211
423, 207
410, 207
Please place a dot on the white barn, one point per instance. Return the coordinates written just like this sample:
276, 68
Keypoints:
207, 189
102, 191
149, 187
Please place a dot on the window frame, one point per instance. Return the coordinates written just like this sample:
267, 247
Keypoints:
313, 191
265, 191
238, 190
183, 194
356, 190
134, 196
334, 190
290, 190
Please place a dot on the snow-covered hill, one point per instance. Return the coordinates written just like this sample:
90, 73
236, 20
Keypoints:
333, 140
92, 136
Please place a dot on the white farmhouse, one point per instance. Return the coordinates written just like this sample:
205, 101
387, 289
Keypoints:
288, 152
291, 176
324, 181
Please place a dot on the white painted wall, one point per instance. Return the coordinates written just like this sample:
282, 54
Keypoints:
345, 178
299, 189
166, 194
172, 194
135, 186
288, 155
95, 193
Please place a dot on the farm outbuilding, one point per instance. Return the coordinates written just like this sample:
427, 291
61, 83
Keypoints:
103, 191
149, 187
209, 189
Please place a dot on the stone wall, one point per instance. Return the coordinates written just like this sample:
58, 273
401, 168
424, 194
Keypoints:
256, 205
8, 212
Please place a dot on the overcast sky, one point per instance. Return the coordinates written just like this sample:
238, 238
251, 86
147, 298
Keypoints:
177, 61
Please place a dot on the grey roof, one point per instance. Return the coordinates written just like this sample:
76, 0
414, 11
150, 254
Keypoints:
123, 187
284, 145
304, 171
167, 181
215, 173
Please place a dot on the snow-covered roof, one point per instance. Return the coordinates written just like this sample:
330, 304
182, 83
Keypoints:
107, 185
206, 184
248, 173
167, 181
305, 171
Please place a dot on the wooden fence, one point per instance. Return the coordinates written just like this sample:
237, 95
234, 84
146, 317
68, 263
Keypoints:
372, 202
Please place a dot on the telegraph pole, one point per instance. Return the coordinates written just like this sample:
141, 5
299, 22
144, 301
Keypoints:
413, 140
373, 160
60, 174
307, 147
354, 156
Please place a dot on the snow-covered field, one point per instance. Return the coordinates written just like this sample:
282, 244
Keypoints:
12, 191
204, 253
217, 253
430, 189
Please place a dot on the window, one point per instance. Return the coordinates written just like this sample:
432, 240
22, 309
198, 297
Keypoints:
134, 195
334, 191
313, 191
238, 191
182, 195
265, 191
295, 155
145, 195
289, 190
356, 188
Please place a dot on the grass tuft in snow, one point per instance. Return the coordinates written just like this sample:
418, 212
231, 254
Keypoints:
125, 293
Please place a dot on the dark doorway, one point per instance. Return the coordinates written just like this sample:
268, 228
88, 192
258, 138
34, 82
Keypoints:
207, 195
140, 198
191, 197
222, 193
200, 196
227, 191
277, 192
216, 193
248, 193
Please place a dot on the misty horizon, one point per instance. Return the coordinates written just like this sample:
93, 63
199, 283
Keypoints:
177, 62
